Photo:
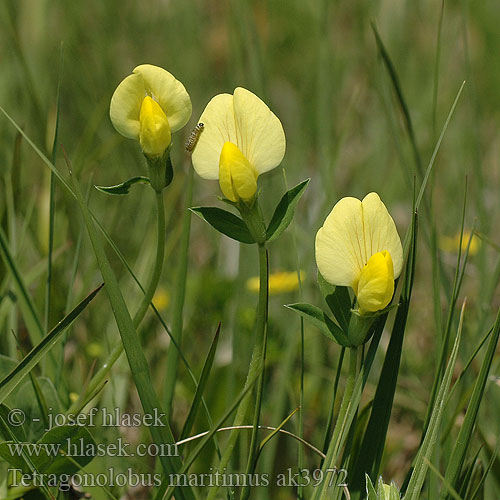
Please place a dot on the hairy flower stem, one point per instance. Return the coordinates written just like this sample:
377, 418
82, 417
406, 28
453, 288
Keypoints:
255, 369
101, 375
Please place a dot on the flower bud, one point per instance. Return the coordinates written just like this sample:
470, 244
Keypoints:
237, 178
154, 134
375, 287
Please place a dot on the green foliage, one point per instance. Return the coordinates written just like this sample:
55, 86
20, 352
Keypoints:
371, 98
124, 187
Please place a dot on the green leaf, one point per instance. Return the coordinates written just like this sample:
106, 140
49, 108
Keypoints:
321, 320
8, 383
283, 214
225, 222
124, 187
338, 300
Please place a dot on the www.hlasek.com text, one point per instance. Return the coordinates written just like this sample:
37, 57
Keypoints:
82, 448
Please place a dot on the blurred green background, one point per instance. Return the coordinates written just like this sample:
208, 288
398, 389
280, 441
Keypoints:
317, 66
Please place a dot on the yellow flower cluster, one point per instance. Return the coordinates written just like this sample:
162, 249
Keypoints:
357, 246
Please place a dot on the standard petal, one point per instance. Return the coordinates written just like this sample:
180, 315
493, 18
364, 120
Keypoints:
260, 134
126, 106
380, 232
340, 252
168, 92
219, 128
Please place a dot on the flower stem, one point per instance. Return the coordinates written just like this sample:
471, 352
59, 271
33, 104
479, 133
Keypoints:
255, 369
261, 340
101, 375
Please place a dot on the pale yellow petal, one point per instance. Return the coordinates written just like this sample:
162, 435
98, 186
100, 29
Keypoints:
351, 234
168, 92
260, 135
380, 232
219, 128
340, 253
126, 105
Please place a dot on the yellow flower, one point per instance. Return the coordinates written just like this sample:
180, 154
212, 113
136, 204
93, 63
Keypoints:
161, 299
148, 106
73, 397
359, 246
242, 138
451, 245
281, 282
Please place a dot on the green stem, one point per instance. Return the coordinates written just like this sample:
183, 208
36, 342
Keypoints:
261, 340
101, 375
256, 367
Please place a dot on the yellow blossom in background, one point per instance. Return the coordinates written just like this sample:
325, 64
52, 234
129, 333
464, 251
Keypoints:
451, 244
359, 246
281, 282
148, 106
242, 138
94, 350
73, 397
161, 299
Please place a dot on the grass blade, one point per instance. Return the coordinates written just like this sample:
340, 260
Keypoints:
372, 446
462, 443
137, 360
205, 373
431, 435
27, 305
166, 494
37, 353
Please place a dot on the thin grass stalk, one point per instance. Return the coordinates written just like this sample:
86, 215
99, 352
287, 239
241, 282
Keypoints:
178, 303
341, 426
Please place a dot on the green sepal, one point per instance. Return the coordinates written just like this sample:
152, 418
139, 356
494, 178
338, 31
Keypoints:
225, 222
338, 300
284, 211
322, 321
161, 171
124, 187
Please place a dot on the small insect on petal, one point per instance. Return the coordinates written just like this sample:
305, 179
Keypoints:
193, 137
